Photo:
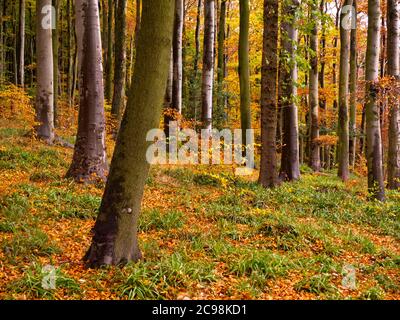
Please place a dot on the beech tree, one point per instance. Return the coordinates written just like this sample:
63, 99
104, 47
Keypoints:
269, 77
44, 77
89, 159
393, 43
208, 64
290, 165
115, 232
244, 70
21, 65
313, 92
373, 129
343, 127
120, 58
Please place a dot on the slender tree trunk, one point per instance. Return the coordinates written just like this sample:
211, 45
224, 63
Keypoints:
353, 90
374, 140
70, 54
290, 167
244, 69
138, 19
45, 88
115, 232
109, 59
55, 59
221, 58
89, 160
313, 93
120, 59
393, 34
177, 80
194, 92
208, 63
21, 64
343, 124
269, 77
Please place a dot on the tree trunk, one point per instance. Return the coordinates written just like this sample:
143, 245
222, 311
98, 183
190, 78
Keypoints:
44, 90
208, 63
109, 58
290, 167
244, 69
21, 64
393, 34
115, 232
313, 93
120, 59
138, 19
221, 59
55, 59
353, 91
177, 80
89, 160
269, 77
374, 141
343, 123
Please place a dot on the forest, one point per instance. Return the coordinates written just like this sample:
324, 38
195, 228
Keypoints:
200, 149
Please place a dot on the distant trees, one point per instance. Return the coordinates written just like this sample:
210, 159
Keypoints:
89, 159
115, 232
44, 77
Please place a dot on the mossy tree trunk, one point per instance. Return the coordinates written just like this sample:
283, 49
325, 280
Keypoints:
115, 232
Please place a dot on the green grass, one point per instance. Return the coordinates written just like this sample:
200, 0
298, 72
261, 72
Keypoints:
156, 220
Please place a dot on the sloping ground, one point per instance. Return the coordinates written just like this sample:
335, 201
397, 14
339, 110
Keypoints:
204, 234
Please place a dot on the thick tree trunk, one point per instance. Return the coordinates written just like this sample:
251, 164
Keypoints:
343, 123
120, 59
374, 140
177, 80
269, 77
115, 232
208, 63
89, 160
44, 90
353, 91
313, 93
393, 34
21, 64
290, 167
244, 69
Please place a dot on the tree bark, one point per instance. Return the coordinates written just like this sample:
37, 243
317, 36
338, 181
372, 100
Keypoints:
290, 167
343, 123
21, 64
221, 59
393, 34
89, 160
115, 232
120, 59
313, 93
244, 69
109, 58
177, 80
55, 59
208, 63
374, 140
45, 88
269, 77
353, 91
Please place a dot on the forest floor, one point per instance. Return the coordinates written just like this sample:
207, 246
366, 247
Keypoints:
204, 234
